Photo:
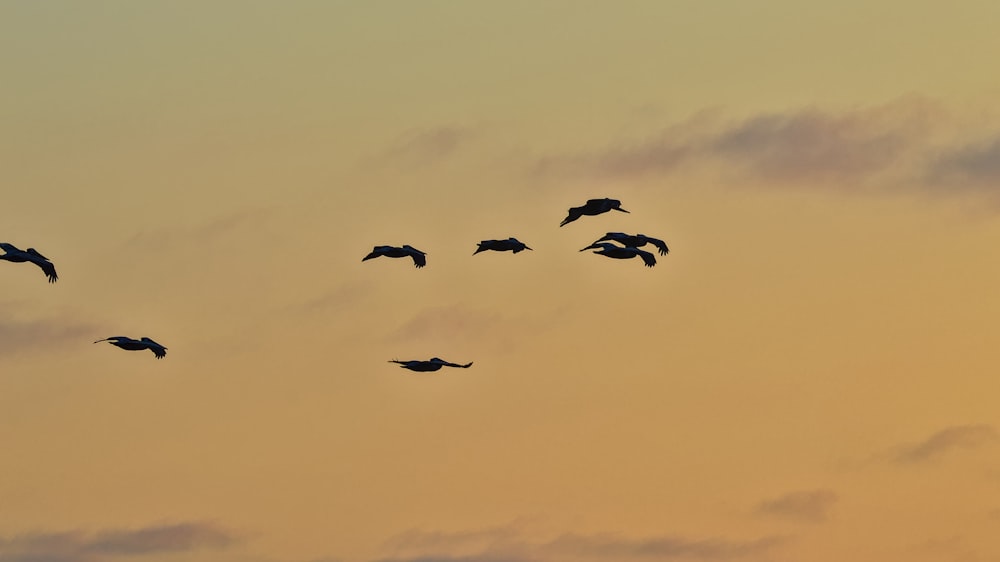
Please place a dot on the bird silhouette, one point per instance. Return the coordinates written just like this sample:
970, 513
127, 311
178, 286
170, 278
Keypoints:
137, 345
14, 254
592, 207
622, 253
433, 364
512, 244
396, 252
635, 241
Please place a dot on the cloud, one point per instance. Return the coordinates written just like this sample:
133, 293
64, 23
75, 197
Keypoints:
428, 145
23, 335
445, 323
970, 165
77, 546
910, 141
810, 506
207, 232
946, 440
510, 544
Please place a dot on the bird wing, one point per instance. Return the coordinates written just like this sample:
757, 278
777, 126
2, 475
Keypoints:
647, 257
47, 268
376, 252
419, 260
660, 245
159, 351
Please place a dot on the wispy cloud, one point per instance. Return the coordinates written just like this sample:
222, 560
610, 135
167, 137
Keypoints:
811, 506
511, 544
945, 441
445, 322
206, 232
21, 334
423, 146
910, 141
78, 546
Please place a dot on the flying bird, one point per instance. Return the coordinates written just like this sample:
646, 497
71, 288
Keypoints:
432, 364
137, 345
622, 253
14, 254
512, 244
395, 252
635, 241
593, 207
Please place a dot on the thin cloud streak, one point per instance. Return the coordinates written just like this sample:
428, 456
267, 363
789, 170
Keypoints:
509, 544
424, 146
78, 546
811, 506
947, 440
18, 336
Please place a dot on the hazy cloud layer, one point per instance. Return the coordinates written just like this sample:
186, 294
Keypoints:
206, 232
945, 441
904, 142
78, 546
511, 544
811, 506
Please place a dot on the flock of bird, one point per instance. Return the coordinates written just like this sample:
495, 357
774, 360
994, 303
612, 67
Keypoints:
618, 245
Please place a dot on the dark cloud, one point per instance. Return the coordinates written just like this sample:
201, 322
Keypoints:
970, 165
612, 547
946, 440
810, 506
78, 546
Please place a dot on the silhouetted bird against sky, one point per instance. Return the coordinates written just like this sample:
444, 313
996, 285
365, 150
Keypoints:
512, 244
137, 345
432, 364
394, 252
19, 256
622, 253
593, 207
635, 241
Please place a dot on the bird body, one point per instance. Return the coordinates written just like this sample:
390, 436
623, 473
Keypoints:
137, 345
592, 207
432, 364
635, 241
419, 259
512, 244
14, 254
622, 252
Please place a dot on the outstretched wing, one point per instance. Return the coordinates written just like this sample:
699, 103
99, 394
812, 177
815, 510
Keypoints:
159, 351
647, 257
660, 245
47, 268
419, 260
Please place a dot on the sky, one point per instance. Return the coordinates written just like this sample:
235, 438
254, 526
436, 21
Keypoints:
810, 374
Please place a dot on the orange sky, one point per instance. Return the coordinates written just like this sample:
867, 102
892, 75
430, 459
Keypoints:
809, 375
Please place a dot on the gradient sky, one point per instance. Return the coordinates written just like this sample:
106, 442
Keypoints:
811, 374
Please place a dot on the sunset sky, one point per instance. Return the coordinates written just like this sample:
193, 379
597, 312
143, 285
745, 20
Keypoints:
811, 374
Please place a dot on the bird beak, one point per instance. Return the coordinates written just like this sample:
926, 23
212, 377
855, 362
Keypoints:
527, 248
620, 209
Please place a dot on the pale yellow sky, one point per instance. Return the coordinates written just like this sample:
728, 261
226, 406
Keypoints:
809, 375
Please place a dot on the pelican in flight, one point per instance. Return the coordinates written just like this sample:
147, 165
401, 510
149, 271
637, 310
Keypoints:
635, 241
512, 244
622, 253
393, 252
593, 207
14, 254
137, 345
433, 364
